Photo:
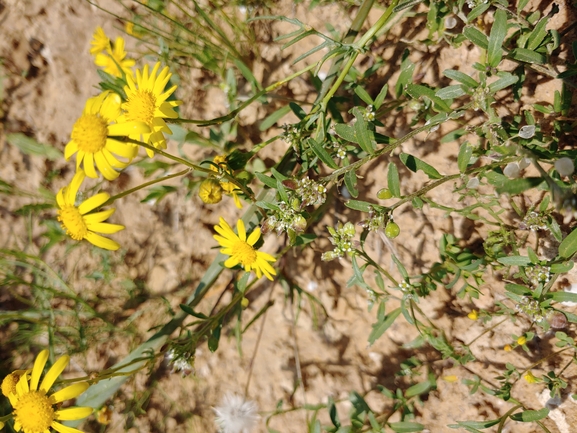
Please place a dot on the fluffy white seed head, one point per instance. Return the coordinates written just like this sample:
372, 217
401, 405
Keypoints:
236, 415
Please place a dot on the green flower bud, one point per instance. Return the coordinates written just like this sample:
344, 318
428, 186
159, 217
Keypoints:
384, 194
392, 230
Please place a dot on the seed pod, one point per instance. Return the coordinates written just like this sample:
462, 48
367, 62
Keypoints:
392, 230
384, 194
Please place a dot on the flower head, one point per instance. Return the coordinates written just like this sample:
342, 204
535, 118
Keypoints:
228, 187
79, 221
34, 410
100, 41
147, 103
114, 61
241, 249
236, 415
92, 137
210, 191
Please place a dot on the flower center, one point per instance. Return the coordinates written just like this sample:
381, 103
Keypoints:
90, 132
73, 222
34, 412
244, 253
140, 107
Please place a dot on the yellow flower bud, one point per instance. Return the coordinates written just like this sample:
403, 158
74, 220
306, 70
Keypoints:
210, 191
530, 378
507, 348
473, 315
521, 340
451, 378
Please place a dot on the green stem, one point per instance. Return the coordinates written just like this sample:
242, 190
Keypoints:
144, 185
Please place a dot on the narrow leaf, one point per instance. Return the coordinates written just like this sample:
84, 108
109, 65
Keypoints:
460, 77
321, 152
530, 415
496, 38
476, 36
393, 182
351, 182
406, 426
414, 164
380, 327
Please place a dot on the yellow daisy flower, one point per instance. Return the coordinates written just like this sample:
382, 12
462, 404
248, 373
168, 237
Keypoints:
92, 134
146, 102
34, 410
100, 41
241, 249
113, 60
79, 221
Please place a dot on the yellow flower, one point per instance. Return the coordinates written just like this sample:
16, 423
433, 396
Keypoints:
530, 378
451, 378
92, 134
521, 340
210, 191
146, 102
241, 249
79, 221
34, 410
473, 315
507, 348
100, 41
10, 381
113, 60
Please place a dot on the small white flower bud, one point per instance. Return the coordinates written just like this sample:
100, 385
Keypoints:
450, 22
527, 131
564, 166
512, 170
473, 183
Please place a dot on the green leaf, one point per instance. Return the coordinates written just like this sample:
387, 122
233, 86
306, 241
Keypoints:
30, 146
477, 11
381, 326
393, 182
381, 96
406, 75
527, 56
322, 154
406, 426
363, 206
274, 117
476, 36
414, 164
562, 296
561, 268
351, 182
465, 153
517, 289
189, 310
362, 93
405, 5
530, 415
450, 92
568, 246
363, 134
538, 34
461, 78
300, 113
418, 91
473, 426
514, 260
505, 81
496, 38
418, 389
268, 181
214, 338
346, 132
517, 186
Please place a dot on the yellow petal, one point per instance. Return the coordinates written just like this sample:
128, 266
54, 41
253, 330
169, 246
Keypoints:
38, 368
93, 202
54, 372
254, 236
102, 242
231, 262
22, 386
73, 413
73, 187
70, 149
61, 428
69, 393
98, 217
104, 167
241, 230
105, 228
89, 166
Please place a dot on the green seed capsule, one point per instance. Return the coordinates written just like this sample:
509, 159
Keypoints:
384, 194
392, 230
